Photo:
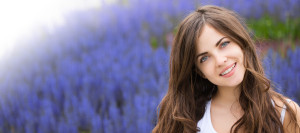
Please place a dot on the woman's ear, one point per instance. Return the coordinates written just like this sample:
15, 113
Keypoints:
200, 73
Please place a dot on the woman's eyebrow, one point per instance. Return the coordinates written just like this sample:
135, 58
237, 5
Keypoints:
217, 44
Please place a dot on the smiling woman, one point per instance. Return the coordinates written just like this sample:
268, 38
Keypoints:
20, 17
222, 63
217, 83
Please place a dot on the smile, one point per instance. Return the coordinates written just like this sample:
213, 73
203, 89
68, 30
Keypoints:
229, 71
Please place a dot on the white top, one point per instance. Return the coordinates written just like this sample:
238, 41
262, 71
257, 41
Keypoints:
206, 126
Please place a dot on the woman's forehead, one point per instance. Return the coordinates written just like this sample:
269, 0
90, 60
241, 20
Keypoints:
208, 36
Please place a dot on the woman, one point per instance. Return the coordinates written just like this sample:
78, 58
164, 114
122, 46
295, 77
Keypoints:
217, 82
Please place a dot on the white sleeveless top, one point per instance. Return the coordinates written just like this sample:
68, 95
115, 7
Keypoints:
206, 126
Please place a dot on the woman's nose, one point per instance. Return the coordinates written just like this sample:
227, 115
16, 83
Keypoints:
220, 60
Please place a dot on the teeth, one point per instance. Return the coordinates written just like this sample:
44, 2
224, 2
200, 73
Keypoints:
228, 70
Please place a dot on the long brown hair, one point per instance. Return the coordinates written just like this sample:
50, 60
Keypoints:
184, 104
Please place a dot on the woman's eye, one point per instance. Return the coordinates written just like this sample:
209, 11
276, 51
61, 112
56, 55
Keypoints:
203, 59
224, 44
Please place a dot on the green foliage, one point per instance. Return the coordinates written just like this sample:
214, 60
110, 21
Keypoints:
154, 42
84, 131
273, 29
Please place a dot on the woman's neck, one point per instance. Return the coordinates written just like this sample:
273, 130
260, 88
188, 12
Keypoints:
227, 95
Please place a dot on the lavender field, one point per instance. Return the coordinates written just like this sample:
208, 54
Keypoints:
106, 69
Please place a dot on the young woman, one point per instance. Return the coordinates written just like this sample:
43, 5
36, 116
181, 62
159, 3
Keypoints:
217, 82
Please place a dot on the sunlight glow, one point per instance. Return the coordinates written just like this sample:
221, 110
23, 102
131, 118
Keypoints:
19, 17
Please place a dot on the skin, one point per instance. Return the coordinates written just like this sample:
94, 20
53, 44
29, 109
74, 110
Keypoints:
212, 60
295, 107
218, 58
225, 109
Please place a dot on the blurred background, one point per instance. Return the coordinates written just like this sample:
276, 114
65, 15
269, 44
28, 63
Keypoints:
101, 66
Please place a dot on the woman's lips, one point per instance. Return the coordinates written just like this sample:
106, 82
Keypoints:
228, 71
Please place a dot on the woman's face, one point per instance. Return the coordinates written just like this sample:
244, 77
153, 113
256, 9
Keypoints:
219, 59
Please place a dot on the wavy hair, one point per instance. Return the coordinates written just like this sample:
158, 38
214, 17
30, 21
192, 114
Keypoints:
184, 104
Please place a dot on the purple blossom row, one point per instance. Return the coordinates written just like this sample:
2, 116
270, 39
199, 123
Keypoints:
98, 72
284, 72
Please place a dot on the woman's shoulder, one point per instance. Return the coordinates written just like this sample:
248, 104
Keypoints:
292, 129
280, 106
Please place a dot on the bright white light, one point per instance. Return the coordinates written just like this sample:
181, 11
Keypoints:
19, 17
